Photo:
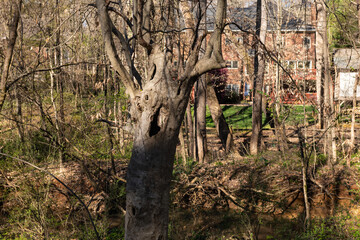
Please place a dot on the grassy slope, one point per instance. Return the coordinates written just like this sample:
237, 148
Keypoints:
239, 117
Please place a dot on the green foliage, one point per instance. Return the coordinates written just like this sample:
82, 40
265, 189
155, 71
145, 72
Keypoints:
116, 198
179, 167
295, 114
37, 144
343, 23
115, 234
340, 227
30, 213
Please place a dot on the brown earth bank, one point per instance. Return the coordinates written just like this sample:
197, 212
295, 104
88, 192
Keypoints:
232, 198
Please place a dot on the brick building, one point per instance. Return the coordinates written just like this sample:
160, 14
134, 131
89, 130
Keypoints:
292, 45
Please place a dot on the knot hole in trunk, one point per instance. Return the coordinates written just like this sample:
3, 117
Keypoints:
153, 73
154, 126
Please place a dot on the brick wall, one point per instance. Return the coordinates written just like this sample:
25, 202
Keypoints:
297, 54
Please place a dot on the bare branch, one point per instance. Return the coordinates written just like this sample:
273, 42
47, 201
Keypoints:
128, 51
8, 86
106, 24
213, 55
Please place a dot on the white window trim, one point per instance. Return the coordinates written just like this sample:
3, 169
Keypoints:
232, 64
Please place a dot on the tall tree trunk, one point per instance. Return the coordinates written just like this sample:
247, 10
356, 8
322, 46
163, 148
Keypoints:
18, 116
352, 134
305, 165
60, 89
217, 115
200, 96
106, 86
151, 164
200, 119
182, 146
190, 129
259, 71
280, 130
323, 75
320, 41
15, 10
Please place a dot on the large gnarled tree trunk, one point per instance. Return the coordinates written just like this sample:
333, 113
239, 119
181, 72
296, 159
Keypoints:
156, 112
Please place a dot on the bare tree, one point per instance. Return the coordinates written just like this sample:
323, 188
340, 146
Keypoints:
14, 8
200, 94
158, 109
323, 81
259, 71
221, 125
320, 41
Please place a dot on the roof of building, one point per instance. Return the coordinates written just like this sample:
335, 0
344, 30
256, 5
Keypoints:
245, 19
347, 58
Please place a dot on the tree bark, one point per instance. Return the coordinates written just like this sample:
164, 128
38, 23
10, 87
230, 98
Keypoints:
151, 164
60, 89
320, 41
149, 174
157, 112
217, 115
15, 10
190, 131
200, 119
182, 146
259, 71
323, 76
200, 95
352, 133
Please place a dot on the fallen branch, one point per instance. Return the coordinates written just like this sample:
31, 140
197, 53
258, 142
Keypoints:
322, 187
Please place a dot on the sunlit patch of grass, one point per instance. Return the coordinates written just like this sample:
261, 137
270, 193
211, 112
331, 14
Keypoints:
240, 117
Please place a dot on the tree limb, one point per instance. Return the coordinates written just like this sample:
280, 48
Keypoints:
106, 24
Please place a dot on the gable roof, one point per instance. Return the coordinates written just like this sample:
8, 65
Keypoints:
245, 18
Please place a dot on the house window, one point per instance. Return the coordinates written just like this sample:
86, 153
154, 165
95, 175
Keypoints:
232, 64
247, 89
251, 52
291, 64
232, 88
301, 64
304, 64
283, 41
306, 42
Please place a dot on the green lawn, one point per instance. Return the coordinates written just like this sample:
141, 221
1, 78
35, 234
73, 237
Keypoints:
239, 117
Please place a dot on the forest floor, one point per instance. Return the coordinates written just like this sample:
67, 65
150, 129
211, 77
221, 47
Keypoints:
261, 197
232, 196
